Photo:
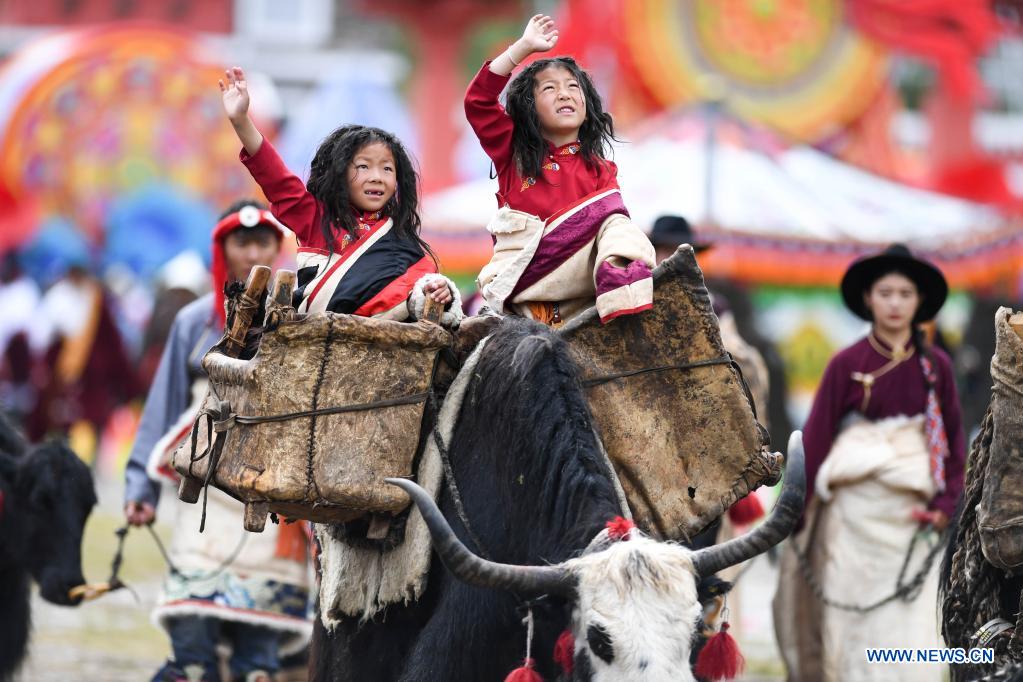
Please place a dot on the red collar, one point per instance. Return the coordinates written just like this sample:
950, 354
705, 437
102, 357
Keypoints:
569, 149
368, 218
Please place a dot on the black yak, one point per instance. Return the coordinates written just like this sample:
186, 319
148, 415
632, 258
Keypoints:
46, 495
536, 492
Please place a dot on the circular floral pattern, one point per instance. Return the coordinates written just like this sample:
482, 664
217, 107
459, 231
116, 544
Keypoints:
795, 65
116, 111
763, 42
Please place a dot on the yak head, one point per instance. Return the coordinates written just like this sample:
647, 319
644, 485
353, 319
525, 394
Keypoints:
634, 603
53, 497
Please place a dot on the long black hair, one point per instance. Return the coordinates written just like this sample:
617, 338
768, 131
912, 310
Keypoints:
328, 183
529, 149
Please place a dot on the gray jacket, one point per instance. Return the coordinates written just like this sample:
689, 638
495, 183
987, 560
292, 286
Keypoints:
194, 332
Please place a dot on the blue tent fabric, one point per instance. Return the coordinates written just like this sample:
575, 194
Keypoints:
56, 246
147, 229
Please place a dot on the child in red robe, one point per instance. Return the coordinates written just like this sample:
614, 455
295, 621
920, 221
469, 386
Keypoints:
356, 220
562, 235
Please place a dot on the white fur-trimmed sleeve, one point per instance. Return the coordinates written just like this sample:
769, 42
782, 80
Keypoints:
452, 315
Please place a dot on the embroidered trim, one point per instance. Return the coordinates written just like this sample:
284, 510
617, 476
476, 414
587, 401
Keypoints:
552, 165
366, 222
934, 426
894, 354
868, 379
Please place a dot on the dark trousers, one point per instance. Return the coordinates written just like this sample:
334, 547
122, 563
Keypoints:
194, 640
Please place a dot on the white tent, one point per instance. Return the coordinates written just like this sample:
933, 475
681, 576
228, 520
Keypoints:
742, 179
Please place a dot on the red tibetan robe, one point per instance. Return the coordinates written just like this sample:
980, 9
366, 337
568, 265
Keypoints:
581, 243
565, 178
370, 273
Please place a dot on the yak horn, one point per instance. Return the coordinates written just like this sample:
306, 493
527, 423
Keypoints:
469, 568
776, 528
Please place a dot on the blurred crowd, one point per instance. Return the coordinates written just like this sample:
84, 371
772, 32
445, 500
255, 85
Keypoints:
78, 350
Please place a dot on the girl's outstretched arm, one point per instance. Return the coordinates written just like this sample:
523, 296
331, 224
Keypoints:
540, 35
290, 202
482, 108
235, 93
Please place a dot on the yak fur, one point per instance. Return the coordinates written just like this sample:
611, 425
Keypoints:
47, 497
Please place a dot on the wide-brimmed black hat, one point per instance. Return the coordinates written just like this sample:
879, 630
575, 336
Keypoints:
672, 230
930, 283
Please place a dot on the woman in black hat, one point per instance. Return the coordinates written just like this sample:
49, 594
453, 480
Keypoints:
885, 449
669, 231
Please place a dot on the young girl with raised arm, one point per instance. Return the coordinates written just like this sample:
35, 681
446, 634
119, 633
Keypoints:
356, 220
562, 234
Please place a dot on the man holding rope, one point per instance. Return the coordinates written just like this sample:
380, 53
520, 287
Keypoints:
250, 589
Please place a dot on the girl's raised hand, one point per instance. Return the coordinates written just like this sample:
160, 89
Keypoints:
540, 34
235, 92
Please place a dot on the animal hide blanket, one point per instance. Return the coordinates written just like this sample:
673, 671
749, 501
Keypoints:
361, 581
1000, 517
267, 575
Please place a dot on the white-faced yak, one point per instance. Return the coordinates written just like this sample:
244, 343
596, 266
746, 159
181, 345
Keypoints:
537, 495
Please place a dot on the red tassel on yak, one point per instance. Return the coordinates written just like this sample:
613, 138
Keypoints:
746, 511
524, 673
720, 658
618, 528
564, 651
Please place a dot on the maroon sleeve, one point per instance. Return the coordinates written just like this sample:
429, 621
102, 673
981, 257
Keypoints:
952, 416
290, 201
822, 424
488, 118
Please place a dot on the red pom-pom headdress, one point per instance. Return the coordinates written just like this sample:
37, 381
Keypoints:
247, 217
746, 511
618, 528
564, 652
720, 658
